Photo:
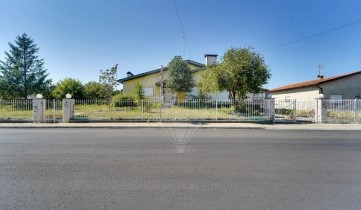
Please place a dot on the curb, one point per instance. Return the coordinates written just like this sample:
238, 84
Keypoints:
245, 126
132, 127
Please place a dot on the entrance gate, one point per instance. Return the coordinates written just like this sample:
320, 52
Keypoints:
53, 111
294, 110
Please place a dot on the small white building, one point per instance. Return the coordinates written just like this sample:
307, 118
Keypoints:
346, 86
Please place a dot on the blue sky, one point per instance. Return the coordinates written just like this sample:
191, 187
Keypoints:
77, 38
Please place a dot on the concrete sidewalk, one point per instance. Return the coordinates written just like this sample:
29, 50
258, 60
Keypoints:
188, 125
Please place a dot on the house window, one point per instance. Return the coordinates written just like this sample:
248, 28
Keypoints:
288, 98
148, 92
335, 97
336, 100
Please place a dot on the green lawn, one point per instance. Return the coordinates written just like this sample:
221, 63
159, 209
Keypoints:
8, 112
150, 112
11, 113
106, 112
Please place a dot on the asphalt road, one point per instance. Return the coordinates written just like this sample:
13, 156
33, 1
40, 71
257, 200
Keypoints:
142, 169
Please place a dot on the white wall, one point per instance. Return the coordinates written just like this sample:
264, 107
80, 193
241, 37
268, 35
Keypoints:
306, 93
349, 87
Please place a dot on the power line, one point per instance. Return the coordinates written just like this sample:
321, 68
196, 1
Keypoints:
312, 36
181, 26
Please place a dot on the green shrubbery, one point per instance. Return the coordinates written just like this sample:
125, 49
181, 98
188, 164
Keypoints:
124, 100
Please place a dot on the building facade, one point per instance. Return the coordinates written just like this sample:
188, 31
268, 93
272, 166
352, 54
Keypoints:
346, 86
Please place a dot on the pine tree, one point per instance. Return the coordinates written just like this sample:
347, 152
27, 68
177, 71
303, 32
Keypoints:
22, 72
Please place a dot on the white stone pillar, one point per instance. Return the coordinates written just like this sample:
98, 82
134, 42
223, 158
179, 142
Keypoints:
39, 110
270, 108
321, 109
68, 109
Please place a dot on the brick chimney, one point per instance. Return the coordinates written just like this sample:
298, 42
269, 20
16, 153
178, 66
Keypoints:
129, 74
211, 59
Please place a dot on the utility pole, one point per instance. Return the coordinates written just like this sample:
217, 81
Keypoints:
161, 93
161, 83
25, 71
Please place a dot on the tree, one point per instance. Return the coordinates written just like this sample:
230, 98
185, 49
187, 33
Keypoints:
108, 78
95, 90
48, 92
139, 91
241, 71
23, 73
71, 86
180, 76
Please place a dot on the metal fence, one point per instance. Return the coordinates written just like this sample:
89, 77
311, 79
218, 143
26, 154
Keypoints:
344, 111
53, 111
295, 110
172, 110
337, 111
20, 110
106, 110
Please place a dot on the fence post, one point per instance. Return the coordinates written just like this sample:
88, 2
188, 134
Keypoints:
272, 109
68, 109
321, 110
142, 102
216, 109
355, 111
54, 111
295, 110
160, 111
44, 110
38, 110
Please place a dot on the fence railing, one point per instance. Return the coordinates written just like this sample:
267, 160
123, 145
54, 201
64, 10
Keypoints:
53, 111
20, 110
295, 110
172, 110
344, 111
333, 111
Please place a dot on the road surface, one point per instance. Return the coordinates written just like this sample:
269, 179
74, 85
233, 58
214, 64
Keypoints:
213, 169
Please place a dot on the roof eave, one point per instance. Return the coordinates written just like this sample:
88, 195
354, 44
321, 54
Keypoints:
200, 67
292, 88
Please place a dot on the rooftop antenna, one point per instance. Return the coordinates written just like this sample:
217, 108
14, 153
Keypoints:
320, 66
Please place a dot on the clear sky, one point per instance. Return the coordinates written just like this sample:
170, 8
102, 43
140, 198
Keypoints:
77, 38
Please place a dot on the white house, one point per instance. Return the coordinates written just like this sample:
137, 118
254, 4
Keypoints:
346, 86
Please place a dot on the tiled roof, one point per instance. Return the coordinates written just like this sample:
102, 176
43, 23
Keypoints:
164, 69
312, 82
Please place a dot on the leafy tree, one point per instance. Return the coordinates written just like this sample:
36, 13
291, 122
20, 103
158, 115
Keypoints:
209, 80
23, 73
241, 71
95, 90
180, 76
71, 86
139, 91
108, 78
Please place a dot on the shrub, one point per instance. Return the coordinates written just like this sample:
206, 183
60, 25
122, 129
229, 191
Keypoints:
69, 85
124, 100
284, 111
